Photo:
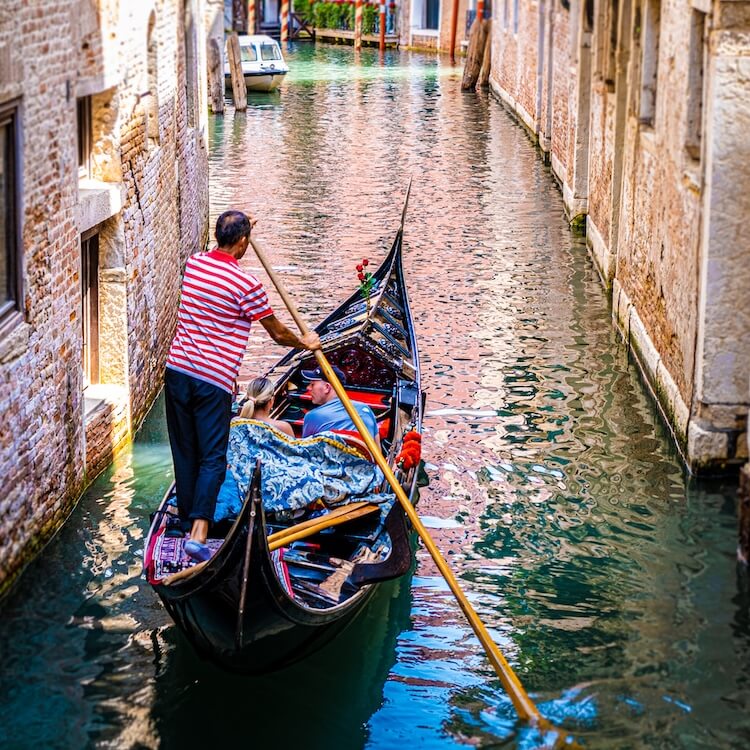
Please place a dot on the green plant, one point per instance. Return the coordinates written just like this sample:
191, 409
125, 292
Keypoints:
305, 10
335, 15
369, 14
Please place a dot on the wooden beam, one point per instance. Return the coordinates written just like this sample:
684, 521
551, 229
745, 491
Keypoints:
215, 76
239, 91
336, 517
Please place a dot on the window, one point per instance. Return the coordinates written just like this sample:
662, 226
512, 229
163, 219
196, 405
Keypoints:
10, 245
90, 305
248, 53
610, 63
83, 113
269, 52
649, 61
432, 14
696, 61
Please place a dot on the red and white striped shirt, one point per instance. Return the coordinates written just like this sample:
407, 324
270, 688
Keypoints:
218, 304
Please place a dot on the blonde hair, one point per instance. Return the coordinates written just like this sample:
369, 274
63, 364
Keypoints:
258, 393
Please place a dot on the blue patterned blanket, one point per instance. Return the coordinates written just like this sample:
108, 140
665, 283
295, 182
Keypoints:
294, 473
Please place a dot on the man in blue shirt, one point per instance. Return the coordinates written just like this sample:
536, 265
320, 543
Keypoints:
330, 413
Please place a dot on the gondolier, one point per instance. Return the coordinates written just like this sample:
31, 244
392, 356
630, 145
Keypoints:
219, 302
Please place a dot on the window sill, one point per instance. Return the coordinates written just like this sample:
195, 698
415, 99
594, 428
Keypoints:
426, 32
97, 202
691, 179
97, 396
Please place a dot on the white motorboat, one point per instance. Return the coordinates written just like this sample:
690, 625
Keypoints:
262, 63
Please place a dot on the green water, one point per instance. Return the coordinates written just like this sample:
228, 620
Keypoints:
607, 577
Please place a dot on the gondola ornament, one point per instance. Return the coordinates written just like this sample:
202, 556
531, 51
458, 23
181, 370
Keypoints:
365, 282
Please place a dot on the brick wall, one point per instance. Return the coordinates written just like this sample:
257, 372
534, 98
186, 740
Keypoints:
152, 197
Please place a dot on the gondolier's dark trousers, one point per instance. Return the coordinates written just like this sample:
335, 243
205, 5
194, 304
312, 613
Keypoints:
198, 415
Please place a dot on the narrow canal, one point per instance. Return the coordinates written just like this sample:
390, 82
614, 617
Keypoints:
607, 578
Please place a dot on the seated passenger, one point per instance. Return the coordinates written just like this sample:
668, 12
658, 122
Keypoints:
259, 405
330, 413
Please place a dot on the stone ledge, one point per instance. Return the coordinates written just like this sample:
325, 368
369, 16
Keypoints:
101, 395
657, 377
107, 424
517, 109
706, 447
604, 259
97, 202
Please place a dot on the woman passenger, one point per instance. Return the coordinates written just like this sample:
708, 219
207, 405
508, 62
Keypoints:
259, 405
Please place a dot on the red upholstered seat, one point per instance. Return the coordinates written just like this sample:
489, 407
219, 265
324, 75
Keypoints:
354, 440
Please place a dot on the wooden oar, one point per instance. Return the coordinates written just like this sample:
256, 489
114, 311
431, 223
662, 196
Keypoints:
314, 525
523, 704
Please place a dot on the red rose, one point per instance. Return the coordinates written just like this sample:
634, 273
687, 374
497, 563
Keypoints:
361, 276
360, 268
365, 261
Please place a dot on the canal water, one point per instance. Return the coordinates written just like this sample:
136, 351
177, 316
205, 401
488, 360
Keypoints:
606, 576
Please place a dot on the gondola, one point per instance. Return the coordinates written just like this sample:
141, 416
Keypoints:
252, 608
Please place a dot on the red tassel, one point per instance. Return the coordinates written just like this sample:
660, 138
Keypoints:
410, 455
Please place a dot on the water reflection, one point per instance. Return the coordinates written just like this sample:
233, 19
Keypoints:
607, 579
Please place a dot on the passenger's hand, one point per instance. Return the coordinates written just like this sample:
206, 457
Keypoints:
311, 341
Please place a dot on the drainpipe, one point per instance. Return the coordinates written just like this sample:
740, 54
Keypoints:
454, 25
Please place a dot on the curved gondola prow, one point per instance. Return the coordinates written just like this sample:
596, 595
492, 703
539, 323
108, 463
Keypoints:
252, 501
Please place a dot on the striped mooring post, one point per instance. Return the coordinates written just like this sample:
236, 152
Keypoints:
480, 9
251, 17
284, 21
358, 9
382, 26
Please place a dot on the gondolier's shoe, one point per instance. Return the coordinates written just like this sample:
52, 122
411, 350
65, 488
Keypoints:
197, 551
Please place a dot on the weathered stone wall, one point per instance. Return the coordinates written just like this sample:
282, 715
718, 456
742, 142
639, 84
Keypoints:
658, 244
559, 91
662, 180
146, 196
515, 42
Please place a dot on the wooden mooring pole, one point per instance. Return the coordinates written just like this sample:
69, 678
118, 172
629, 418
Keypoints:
381, 40
484, 73
251, 17
284, 21
239, 92
475, 54
358, 11
215, 76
